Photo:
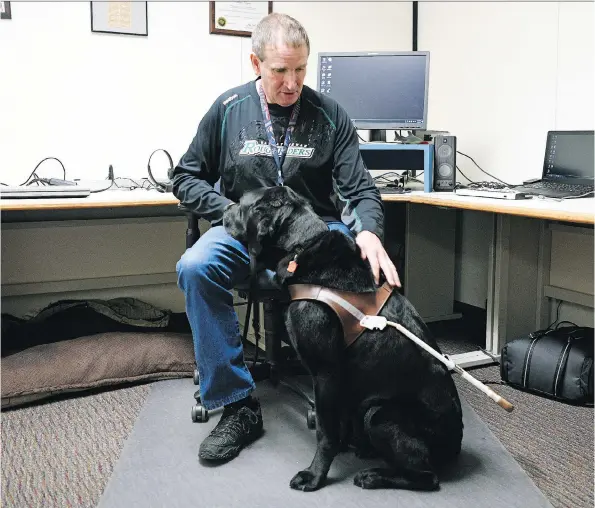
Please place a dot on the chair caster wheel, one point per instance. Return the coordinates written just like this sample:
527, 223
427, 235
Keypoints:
199, 414
197, 396
196, 380
311, 419
274, 375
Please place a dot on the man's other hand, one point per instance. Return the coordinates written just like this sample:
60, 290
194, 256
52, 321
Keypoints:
372, 250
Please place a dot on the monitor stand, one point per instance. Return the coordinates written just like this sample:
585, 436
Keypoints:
378, 135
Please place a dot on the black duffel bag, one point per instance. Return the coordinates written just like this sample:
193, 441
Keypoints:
555, 362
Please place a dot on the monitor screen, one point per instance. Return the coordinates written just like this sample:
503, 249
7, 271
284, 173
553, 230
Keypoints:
383, 90
569, 156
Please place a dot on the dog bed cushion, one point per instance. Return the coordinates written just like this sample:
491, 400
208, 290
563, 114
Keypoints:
100, 360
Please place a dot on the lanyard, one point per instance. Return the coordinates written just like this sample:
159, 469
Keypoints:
268, 127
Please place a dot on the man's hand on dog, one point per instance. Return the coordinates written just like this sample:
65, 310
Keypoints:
372, 250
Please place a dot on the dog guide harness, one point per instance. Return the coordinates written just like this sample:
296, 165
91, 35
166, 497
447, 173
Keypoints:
355, 322
351, 308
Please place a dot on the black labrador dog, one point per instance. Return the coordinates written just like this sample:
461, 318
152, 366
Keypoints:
395, 399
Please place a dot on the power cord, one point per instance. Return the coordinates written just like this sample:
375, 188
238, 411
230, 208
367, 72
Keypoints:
39, 180
385, 178
579, 196
483, 170
124, 183
464, 176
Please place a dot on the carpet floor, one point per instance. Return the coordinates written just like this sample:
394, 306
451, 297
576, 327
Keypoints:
62, 453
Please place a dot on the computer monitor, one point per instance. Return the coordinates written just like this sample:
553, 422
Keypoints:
379, 90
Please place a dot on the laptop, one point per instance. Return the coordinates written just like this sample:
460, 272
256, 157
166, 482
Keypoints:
567, 166
43, 191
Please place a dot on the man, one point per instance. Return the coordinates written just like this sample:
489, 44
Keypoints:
309, 145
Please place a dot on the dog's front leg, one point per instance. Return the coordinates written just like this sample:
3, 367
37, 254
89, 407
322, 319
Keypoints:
327, 393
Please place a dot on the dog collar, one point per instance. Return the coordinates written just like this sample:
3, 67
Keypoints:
292, 266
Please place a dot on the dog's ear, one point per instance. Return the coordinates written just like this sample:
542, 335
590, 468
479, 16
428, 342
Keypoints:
233, 223
257, 234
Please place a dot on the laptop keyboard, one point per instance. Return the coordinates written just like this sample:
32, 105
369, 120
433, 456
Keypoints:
563, 187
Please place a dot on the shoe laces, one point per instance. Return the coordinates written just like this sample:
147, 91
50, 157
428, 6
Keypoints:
234, 421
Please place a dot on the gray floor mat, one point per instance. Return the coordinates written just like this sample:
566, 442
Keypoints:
159, 465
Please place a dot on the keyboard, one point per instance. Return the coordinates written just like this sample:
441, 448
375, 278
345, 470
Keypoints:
556, 189
43, 191
504, 193
393, 190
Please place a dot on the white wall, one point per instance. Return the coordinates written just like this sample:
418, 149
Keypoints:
504, 73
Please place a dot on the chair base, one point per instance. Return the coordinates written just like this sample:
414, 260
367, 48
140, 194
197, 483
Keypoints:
260, 372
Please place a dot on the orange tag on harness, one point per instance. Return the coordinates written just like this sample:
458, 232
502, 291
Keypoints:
292, 266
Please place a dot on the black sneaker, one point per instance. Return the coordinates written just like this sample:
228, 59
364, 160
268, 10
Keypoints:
240, 424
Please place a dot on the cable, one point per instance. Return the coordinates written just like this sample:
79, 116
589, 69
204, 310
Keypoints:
103, 190
128, 183
37, 179
483, 170
464, 175
385, 176
579, 196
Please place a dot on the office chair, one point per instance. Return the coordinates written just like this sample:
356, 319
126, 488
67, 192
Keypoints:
279, 360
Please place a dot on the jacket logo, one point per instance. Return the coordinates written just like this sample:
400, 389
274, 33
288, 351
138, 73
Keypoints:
253, 147
229, 99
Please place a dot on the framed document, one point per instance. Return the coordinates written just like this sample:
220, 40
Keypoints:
237, 18
5, 12
124, 18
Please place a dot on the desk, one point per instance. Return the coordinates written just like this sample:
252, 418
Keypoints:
581, 211
101, 205
500, 303
512, 284
70, 247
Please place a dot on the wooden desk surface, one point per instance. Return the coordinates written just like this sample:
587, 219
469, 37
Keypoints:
571, 210
107, 199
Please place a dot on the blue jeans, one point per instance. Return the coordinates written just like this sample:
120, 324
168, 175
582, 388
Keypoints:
207, 272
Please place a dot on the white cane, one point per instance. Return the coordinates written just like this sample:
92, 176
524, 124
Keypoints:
380, 322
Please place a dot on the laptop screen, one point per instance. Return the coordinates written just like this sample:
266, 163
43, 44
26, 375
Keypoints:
569, 157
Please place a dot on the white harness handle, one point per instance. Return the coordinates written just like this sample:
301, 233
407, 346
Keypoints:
380, 323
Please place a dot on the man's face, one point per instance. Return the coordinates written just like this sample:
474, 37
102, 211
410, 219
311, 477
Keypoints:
283, 71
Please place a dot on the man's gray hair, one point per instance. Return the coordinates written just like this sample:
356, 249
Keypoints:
278, 28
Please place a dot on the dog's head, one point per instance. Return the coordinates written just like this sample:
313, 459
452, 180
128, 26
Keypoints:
272, 222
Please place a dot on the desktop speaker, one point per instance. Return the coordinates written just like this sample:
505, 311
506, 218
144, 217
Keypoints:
445, 163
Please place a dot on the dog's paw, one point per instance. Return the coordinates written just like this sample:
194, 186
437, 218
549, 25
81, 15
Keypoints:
307, 481
369, 479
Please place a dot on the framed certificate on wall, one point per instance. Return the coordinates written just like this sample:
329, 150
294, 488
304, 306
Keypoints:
5, 12
124, 18
237, 18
